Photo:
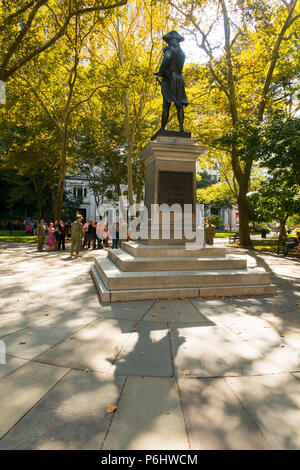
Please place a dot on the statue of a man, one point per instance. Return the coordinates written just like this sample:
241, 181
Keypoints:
172, 84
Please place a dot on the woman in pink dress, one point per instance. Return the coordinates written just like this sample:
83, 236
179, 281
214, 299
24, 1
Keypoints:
51, 239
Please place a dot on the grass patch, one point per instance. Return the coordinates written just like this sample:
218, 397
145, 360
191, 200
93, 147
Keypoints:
224, 234
18, 239
268, 245
15, 233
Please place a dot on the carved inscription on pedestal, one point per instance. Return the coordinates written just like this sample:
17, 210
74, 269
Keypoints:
175, 187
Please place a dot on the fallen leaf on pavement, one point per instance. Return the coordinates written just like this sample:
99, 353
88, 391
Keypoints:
155, 315
186, 372
22, 342
111, 408
29, 333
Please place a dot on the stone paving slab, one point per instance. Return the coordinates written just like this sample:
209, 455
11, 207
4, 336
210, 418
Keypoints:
217, 310
147, 352
81, 296
209, 351
126, 310
273, 304
149, 416
12, 364
273, 401
41, 336
173, 311
10, 323
72, 416
94, 347
281, 345
216, 419
20, 391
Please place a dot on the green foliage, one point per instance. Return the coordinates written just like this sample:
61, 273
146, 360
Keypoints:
204, 180
244, 138
215, 220
280, 147
218, 194
71, 204
276, 200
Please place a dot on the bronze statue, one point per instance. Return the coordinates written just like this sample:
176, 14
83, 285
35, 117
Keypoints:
172, 84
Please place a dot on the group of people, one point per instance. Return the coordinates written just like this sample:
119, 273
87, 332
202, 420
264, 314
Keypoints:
55, 233
94, 235
31, 228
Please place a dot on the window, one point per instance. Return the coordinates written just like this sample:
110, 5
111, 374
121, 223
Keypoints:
79, 192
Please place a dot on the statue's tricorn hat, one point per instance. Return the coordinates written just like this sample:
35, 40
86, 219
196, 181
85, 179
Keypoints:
173, 35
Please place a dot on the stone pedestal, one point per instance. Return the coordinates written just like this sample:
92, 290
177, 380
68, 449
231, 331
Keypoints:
170, 162
163, 268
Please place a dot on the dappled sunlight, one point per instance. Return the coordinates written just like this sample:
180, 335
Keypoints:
59, 320
214, 414
217, 352
274, 402
158, 335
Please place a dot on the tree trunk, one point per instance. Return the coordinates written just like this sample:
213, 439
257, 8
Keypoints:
244, 232
61, 178
129, 135
282, 230
38, 198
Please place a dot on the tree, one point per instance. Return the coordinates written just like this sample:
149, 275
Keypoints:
130, 52
218, 194
29, 28
203, 180
61, 87
280, 147
28, 152
243, 70
276, 200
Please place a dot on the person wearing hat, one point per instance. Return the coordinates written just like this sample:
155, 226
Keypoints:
77, 233
172, 84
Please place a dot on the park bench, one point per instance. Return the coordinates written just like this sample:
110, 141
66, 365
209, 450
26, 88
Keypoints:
234, 238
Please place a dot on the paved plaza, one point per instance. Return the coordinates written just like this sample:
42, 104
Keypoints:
205, 373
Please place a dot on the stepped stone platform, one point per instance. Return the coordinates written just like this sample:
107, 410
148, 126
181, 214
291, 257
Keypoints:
140, 272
